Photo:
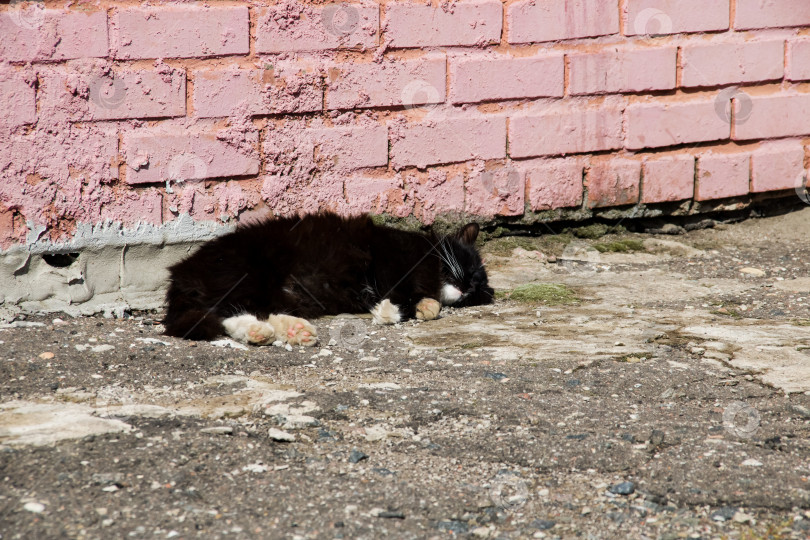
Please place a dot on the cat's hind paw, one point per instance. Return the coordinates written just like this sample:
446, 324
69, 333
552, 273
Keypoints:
293, 330
386, 313
428, 309
248, 329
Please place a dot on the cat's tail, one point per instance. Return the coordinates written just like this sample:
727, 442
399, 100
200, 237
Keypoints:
196, 324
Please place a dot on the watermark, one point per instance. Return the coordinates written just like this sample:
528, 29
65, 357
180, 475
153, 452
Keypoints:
184, 167
580, 257
108, 92
733, 104
420, 94
348, 333
27, 14
741, 419
508, 491
340, 19
801, 188
652, 22
513, 181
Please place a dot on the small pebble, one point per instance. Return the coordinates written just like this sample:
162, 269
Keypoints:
34, 507
280, 435
623, 488
46, 355
356, 456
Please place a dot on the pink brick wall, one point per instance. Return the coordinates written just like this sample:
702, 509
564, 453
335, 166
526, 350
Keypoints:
115, 111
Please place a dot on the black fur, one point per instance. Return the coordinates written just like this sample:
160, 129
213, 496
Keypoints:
318, 265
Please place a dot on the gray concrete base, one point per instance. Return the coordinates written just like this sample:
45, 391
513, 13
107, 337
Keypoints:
103, 269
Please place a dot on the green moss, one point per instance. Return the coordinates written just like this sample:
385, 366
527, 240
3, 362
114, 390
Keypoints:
551, 294
624, 245
593, 231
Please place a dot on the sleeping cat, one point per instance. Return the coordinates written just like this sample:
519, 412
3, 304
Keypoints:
259, 283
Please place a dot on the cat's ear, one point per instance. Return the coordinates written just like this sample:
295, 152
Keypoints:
468, 233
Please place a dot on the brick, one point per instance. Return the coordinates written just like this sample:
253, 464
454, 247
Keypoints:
798, 60
499, 191
535, 21
660, 17
377, 195
335, 26
162, 155
555, 183
441, 192
722, 175
449, 140
18, 99
565, 132
777, 166
623, 70
270, 91
180, 32
409, 83
656, 125
668, 179
774, 116
101, 94
343, 148
488, 77
771, 14
716, 64
32, 34
468, 23
613, 183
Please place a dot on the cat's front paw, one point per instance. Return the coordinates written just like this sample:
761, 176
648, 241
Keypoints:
428, 309
386, 313
294, 331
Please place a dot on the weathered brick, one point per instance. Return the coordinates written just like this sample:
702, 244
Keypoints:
498, 191
448, 140
771, 14
18, 99
440, 192
180, 32
777, 166
555, 183
774, 116
798, 60
393, 82
660, 124
334, 26
103, 94
722, 175
715, 64
613, 183
623, 70
253, 91
659, 17
490, 77
533, 21
345, 148
668, 179
163, 155
377, 195
565, 132
33, 34
467, 23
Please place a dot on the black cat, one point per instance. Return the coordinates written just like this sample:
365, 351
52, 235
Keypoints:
258, 283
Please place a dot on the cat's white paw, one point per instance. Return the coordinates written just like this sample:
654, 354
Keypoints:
386, 313
248, 329
293, 330
428, 309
